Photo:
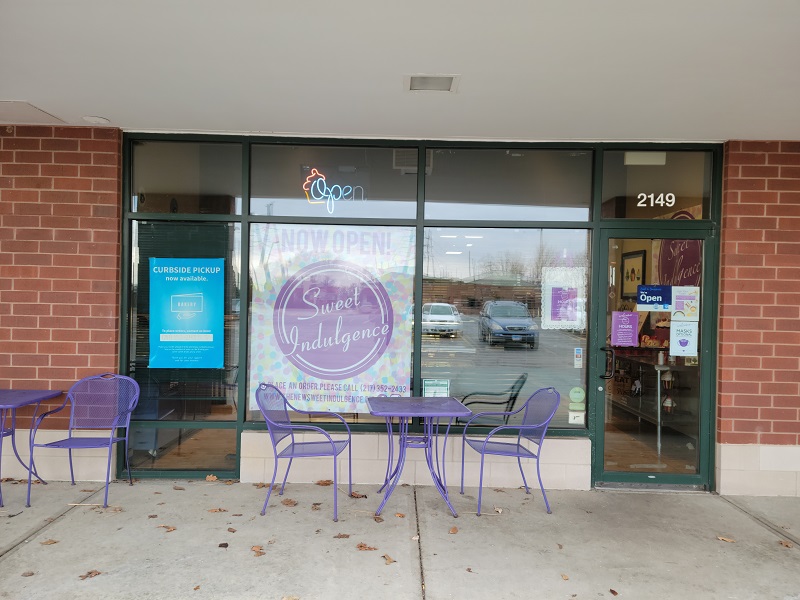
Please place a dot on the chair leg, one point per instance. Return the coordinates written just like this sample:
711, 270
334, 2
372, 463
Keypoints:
463, 449
71, 472
524, 481
30, 471
108, 476
350, 469
541, 487
285, 477
128, 463
335, 491
480, 485
271, 483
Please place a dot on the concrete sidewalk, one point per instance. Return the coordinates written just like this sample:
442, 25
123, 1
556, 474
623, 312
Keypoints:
197, 539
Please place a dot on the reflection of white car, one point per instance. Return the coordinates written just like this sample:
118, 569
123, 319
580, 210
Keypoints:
439, 318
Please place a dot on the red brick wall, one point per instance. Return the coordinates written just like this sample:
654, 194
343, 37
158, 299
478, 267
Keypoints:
60, 210
759, 328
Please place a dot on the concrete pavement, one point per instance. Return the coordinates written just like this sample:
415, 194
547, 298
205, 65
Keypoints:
181, 539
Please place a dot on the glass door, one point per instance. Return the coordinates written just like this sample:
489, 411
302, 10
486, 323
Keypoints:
652, 413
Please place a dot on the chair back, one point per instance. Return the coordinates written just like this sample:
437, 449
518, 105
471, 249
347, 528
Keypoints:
273, 405
540, 409
102, 401
513, 392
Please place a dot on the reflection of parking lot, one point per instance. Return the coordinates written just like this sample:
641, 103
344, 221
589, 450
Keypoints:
471, 364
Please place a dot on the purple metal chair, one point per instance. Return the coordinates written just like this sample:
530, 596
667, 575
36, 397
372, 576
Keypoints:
275, 408
537, 412
508, 398
99, 402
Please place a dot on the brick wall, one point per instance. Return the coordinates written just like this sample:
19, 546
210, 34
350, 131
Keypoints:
60, 210
759, 328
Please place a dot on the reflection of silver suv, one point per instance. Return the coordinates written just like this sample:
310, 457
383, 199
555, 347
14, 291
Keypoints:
439, 318
505, 321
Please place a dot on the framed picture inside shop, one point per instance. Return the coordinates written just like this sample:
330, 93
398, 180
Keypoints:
632, 272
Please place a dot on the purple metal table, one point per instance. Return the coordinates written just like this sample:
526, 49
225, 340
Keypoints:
433, 411
10, 401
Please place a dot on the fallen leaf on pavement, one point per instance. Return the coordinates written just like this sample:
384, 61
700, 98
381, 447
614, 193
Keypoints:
377, 519
217, 510
152, 516
179, 488
230, 482
560, 547
291, 598
363, 546
400, 515
725, 539
786, 544
260, 485
340, 536
324, 482
499, 490
415, 538
498, 510
223, 545
289, 502
357, 495
211, 477
469, 570
168, 528
48, 542
197, 587
453, 530
389, 560
613, 592
88, 491
90, 574
258, 550
316, 505
231, 530
28, 574
565, 577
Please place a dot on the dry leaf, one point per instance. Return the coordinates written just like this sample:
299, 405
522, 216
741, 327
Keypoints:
400, 515
469, 570
179, 488
377, 519
316, 505
88, 491
786, 544
340, 536
152, 516
560, 547
260, 485
565, 577
724, 539
28, 574
217, 510
168, 528
211, 478
389, 560
90, 574
357, 495
613, 592
415, 538
498, 510
197, 587
453, 530
259, 553
230, 482
223, 545
48, 542
363, 546
231, 530
236, 515
256, 548
273, 541
290, 598
500, 490
289, 502
324, 482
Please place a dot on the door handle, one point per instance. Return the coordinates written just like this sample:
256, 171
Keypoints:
607, 374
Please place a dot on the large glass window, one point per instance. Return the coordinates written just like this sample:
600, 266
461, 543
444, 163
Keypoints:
505, 314
336, 182
186, 178
179, 386
656, 184
508, 185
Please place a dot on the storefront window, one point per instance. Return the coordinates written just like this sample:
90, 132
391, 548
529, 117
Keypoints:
508, 185
335, 182
504, 314
656, 184
329, 314
184, 320
187, 178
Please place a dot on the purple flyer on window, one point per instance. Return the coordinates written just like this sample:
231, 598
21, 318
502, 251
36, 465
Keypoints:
624, 328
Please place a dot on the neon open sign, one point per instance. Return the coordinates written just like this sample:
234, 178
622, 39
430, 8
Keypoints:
319, 192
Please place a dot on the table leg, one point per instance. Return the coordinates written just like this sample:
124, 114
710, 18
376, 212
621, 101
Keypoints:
401, 460
433, 457
390, 466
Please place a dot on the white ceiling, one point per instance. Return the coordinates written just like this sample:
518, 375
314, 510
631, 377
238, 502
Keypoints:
530, 70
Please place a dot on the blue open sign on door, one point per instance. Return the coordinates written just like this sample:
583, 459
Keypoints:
653, 297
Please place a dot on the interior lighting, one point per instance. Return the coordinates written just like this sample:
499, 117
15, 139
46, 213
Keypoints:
641, 159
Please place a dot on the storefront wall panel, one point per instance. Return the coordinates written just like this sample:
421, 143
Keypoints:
60, 285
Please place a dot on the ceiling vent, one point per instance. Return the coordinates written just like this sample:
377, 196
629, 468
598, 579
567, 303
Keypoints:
405, 161
432, 83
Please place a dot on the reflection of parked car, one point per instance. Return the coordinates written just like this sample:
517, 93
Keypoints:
505, 321
439, 318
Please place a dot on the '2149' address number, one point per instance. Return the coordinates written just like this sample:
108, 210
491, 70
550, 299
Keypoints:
646, 200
